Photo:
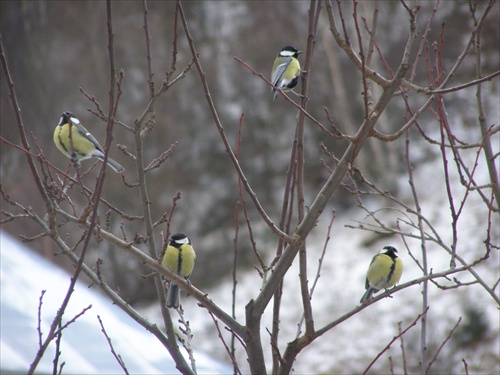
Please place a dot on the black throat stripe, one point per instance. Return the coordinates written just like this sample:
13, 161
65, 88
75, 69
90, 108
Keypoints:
391, 272
179, 261
61, 142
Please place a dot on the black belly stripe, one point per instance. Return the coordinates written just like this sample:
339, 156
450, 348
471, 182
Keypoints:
61, 142
391, 271
65, 149
179, 262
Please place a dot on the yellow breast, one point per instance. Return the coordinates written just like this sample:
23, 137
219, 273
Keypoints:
80, 143
179, 260
384, 272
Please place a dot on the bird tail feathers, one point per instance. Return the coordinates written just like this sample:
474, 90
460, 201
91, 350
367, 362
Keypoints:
173, 296
368, 294
113, 164
275, 94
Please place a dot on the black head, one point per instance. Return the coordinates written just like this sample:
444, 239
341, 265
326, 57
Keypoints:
289, 51
391, 251
179, 239
66, 117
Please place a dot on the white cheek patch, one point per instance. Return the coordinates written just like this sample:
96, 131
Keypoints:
287, 53
182, 241
74, 120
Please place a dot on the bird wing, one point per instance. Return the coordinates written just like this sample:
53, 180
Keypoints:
380, 271
370, 270
278, 72
188, 258
87, 135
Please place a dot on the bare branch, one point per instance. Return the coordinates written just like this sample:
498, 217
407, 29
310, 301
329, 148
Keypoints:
442, 345
157, 162
118, 357
329, 188
395, 339
218, 123
228, 351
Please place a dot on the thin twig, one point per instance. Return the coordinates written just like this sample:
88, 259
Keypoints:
230, 352
395, 338
425, 296
117, 356
219, 126
263, 267
318, 271
403, 349
187, 340
314, 13
431, 362
39, 316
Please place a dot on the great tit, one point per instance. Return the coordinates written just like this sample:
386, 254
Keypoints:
82, 145
384, 272
179, 258
286, 70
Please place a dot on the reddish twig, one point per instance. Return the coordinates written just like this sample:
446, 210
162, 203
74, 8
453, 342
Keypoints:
235, 280
220, 128
442, 345
229, 352
117, 356
263, 267
318, 271
394, 340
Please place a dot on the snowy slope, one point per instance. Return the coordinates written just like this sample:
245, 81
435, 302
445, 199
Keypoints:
85, 350
351, 346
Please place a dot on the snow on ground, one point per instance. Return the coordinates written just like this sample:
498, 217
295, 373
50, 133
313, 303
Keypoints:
347, 348
351, 346
24, 274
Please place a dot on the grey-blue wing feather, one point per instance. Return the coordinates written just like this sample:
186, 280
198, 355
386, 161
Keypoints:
278, 73
89, 136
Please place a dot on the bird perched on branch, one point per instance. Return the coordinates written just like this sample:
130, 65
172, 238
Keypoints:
384, 272
286, 70
179, 258
79, 144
